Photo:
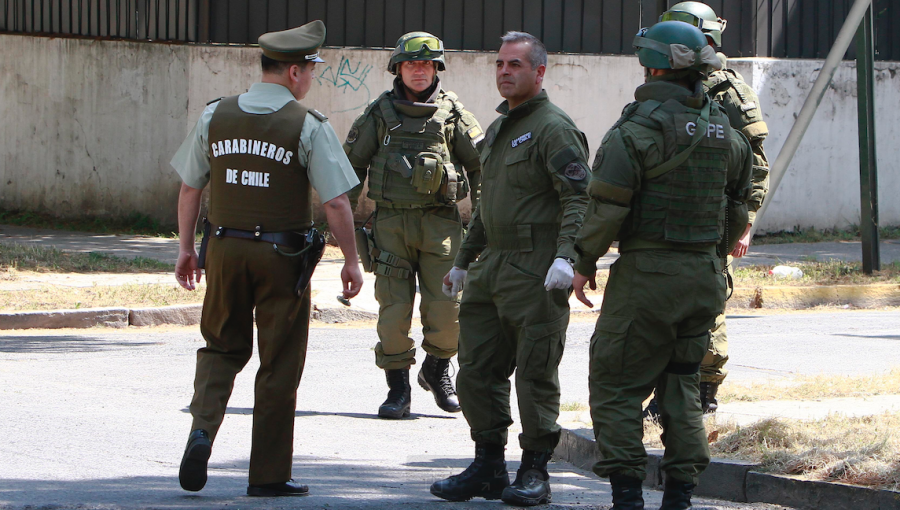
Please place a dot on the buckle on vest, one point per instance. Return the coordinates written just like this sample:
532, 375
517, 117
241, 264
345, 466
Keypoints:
220, 231
257, 232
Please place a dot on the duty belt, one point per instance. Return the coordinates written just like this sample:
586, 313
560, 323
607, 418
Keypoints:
525, 238
636, 243
289, 239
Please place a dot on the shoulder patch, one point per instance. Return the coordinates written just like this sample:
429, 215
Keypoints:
353, 135
216, 100
575, 171
475, 135
318, 115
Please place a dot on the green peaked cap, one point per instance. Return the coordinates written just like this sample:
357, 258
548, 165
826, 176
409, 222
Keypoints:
299, 44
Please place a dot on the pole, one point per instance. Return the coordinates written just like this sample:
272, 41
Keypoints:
841, 44
868, 167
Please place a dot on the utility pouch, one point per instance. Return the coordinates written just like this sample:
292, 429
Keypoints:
364, 248
201, 257
310, 256
736, 218
427, 173
400, 163
452, 189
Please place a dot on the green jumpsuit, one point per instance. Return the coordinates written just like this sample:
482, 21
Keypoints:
534, 169
667, 287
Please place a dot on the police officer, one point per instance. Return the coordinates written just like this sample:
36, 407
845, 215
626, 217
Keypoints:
413, 142
515, 308
667, 176
727, 88
261, 154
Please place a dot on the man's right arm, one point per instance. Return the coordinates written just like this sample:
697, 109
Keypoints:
474, 242
188, 211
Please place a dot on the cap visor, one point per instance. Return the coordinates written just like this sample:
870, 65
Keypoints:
317, 59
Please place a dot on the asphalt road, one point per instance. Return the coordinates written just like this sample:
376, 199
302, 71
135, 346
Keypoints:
98, 418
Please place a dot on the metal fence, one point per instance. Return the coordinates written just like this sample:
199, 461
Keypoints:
767, 28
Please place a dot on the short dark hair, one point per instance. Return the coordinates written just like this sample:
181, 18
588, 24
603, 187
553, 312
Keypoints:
538, 55
270, 65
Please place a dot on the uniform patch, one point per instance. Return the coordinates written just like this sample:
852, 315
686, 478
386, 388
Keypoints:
415, 146
520, 140
575, 172
475, 135
353, 135
747, 107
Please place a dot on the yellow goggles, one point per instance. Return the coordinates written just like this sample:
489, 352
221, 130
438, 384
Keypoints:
418, 44
700, 23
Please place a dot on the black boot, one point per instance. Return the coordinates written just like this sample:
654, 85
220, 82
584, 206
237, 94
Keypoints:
532, 484
651, 412
627, 492
398, 400
677, 495
192, 473
485, 478
708, 400
434, 377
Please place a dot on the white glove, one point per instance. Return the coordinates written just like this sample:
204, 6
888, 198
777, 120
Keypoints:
560, 275
457, 279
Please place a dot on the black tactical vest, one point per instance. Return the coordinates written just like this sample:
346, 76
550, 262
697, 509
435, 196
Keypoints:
255, 179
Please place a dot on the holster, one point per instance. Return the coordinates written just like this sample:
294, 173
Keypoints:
363, 248
201, 257
378, 261
310, 256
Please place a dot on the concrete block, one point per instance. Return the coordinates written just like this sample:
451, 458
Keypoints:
810, 495
180, 315
578, 447
340, 315
725, 479
57, 319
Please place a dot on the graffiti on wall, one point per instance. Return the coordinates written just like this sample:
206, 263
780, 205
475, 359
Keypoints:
348, 79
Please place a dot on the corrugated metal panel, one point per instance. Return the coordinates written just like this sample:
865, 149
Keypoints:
776, 28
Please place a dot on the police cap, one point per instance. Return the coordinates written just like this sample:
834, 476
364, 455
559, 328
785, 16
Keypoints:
299, 44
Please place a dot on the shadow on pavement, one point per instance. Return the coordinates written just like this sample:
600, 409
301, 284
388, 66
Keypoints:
247, 411
62, 344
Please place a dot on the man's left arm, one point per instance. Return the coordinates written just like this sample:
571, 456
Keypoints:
467, 134
566, 156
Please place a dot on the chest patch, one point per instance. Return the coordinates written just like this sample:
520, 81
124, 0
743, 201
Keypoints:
413, 146
520, 140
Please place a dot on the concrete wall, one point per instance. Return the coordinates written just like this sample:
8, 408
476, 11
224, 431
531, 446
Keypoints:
91, 125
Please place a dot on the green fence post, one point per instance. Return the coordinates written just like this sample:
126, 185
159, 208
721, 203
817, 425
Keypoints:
868, 165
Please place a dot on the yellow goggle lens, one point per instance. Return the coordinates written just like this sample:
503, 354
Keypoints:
416, 44
680, 16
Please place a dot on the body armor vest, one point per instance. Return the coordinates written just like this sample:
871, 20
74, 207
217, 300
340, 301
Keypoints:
255, 179
685, 204
413, 166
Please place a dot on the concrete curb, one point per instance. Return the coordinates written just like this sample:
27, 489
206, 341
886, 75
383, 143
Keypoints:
737, 481
862, 296
56, 319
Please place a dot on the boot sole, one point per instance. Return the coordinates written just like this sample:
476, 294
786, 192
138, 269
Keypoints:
192, 474
393, 415
489, 496
515, 500
427, 387
259, 492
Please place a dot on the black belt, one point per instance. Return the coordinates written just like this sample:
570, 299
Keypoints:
287, 239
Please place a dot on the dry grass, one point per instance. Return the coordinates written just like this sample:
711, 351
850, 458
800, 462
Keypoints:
137, 295
859, 451
52, 260
833, 272
813, 388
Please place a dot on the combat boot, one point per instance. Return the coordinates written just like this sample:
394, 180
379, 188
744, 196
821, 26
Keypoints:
708, 400
532, 484
627, 492
434, 377
677, 495
485, 478
399, 399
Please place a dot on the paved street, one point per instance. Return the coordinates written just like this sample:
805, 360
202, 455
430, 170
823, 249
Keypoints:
98, 418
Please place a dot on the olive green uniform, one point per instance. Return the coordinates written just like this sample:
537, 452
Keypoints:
741, 104
411, 152
534, 162
666, 288
246, 133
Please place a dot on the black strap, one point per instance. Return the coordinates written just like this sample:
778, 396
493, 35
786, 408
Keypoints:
285, 239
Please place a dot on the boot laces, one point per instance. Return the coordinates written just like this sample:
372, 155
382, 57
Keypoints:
443, 366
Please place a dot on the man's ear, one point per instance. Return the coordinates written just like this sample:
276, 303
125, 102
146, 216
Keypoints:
540, 73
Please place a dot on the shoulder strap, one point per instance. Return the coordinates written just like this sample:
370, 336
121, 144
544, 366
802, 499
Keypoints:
390, 115
318, 115
681, 157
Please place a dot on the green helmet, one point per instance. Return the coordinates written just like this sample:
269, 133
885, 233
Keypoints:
675, 45
417, 46
700, 15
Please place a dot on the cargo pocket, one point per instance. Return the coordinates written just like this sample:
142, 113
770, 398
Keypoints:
541, 348
519, 169
689, 353
609, 342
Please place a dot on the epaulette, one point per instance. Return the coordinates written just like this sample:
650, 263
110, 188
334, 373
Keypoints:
318, 115
215, 100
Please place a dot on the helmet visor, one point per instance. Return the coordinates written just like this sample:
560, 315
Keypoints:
416, 45
702, 24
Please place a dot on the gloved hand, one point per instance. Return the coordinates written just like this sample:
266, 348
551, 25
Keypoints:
454, 281
560, 275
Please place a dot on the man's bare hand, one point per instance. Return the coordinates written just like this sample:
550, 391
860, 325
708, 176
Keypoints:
743, 244
186, 270
352, 279
578, 283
